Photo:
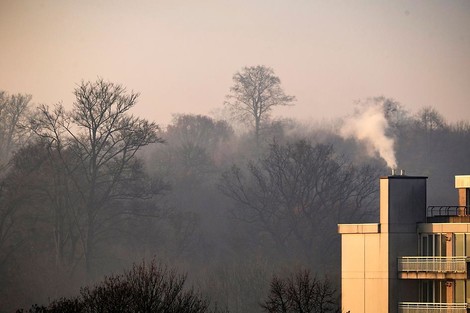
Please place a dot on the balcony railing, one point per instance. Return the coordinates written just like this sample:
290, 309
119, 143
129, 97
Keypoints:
447, 210
432, 264
426, 307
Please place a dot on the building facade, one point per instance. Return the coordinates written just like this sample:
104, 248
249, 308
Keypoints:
414, 259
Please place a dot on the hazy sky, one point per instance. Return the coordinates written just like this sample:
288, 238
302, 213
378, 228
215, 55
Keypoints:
181, 55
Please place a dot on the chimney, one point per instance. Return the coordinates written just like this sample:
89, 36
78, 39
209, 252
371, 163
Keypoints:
394, 172
402, 202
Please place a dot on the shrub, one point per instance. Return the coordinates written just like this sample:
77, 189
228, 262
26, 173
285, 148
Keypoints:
301, 292
144, 288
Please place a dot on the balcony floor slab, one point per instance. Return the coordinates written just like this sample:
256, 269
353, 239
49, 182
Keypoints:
431, 275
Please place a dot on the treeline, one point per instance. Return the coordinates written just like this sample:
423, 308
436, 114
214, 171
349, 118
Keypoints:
89, 191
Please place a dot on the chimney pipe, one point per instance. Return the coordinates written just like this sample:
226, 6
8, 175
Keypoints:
402, 172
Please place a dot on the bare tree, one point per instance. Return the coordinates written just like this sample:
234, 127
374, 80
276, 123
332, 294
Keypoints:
147, 287
14, 110
200, 130
195, 148
97, 142
195, 145
301, 292
430, 119
255, 91
394, 111
295, 193
38, 185
430, 123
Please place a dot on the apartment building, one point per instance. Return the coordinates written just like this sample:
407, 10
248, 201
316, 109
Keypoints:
415, 258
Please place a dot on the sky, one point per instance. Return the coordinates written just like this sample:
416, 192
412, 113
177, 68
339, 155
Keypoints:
181, 55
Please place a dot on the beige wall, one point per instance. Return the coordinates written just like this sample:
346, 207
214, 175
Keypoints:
365, 273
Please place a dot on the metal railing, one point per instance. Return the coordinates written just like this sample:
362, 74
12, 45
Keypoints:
447, 210
428, 307
455, 264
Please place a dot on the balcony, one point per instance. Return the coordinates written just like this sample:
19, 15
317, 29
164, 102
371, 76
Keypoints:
424, 267
425, 307
448, 214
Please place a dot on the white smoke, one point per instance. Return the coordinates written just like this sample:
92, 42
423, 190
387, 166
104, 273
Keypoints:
369, 125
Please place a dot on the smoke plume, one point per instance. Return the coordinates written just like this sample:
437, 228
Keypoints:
369, 125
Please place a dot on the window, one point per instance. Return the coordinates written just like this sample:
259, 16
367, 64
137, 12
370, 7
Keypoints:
433, 244
459, 291
459, 245
433, 291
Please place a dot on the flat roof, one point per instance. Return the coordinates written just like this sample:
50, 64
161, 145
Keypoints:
403, 177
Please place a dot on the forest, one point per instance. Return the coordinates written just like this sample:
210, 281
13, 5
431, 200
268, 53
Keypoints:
239, 207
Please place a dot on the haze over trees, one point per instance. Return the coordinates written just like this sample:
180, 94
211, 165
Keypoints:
88, 192
296, 192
